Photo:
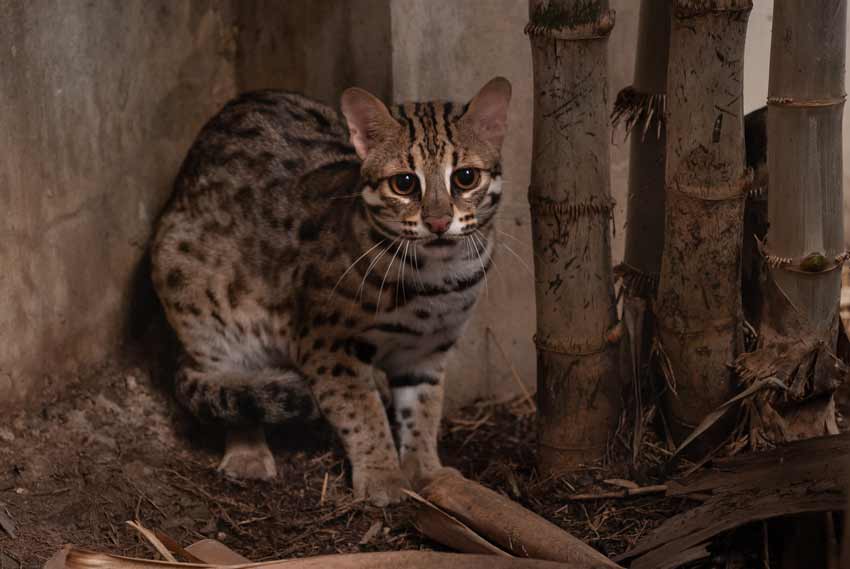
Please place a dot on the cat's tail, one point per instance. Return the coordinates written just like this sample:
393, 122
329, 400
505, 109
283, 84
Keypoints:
245, 397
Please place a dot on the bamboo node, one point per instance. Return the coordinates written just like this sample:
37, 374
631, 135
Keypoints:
806, 103
571, 346
634, 107
561, 27
572, 211
636, 282
717, 193
757, 192
813, 264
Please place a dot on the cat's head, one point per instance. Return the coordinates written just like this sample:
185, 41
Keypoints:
430, 170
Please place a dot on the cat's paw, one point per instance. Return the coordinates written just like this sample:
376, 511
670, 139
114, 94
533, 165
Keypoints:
380, 486
248, 463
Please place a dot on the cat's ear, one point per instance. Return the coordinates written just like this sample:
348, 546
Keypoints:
487, 112
368, 119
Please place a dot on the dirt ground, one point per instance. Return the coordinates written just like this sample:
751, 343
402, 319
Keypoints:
120, 449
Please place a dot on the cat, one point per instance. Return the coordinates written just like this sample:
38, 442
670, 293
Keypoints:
301, 247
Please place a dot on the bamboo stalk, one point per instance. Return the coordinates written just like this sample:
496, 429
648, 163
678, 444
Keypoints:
805, 108
645, 213
578, 382
804, 251
644, 104
699, 300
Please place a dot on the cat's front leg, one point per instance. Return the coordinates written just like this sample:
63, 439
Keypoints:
417, 390
349, 399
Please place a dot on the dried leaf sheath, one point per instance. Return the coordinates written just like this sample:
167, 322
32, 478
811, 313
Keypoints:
699, 300
578, 383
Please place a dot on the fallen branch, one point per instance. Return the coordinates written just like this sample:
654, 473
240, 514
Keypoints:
503, 523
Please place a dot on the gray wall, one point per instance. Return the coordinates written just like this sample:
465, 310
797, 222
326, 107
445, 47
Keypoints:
99, 102
317, 47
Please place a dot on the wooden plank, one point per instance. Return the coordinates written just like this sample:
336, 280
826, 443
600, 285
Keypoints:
723, 513
803, 476
825, 458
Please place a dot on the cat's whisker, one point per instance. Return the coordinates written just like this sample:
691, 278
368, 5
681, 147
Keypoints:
517, 239
483, 239
386, 273
351, 266
473, 237
399, 275
404, 270
468, 249
518, 258
416, 264
369, 270
496, 265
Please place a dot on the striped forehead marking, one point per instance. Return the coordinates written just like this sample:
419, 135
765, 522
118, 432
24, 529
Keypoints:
430, 130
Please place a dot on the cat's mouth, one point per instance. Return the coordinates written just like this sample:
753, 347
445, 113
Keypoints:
443, 241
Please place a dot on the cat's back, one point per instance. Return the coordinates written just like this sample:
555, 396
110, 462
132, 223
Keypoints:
228, 239
264, 138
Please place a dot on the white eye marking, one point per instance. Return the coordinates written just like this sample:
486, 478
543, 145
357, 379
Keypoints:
421, 177
448, 170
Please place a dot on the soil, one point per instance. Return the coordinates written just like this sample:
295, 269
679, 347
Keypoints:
120, 449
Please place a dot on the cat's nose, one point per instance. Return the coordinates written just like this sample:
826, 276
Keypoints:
438, 225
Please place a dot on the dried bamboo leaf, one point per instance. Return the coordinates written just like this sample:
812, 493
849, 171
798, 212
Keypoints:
444, 528
152, 539
7, 523
715, 415
178, 549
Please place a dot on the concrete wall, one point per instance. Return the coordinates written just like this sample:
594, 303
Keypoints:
99, 101
316, 47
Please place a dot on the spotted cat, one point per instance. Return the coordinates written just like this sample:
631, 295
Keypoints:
301, 247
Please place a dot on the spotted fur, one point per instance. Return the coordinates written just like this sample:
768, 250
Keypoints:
289, 268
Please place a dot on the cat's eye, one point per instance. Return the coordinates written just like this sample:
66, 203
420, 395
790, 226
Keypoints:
465, 179
404, 184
